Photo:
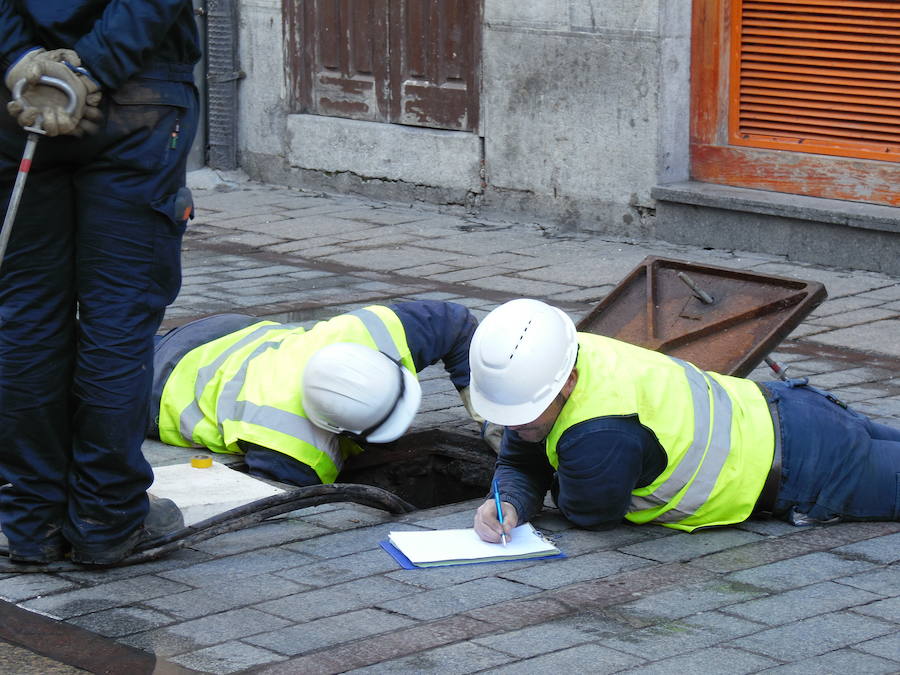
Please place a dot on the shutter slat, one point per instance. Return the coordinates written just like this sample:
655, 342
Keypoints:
839, 26
836, 112
801, 134
849, 129
863, 67
820, 41
820, 92
885, 106
817, 76
833, 6
824, 76
844, 24
778, 53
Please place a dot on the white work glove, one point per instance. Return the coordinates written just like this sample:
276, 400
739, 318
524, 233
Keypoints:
48, 102
490, 432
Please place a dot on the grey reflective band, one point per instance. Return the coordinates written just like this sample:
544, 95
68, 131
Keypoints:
191, 416
276, 419
284, 422
379, 332
706, 455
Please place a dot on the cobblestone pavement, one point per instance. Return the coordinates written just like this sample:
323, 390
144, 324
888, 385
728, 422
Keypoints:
312, 592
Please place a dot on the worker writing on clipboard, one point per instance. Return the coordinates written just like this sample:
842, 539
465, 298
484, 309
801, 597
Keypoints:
616, 431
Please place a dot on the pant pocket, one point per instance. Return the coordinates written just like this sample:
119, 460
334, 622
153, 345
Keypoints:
173, 210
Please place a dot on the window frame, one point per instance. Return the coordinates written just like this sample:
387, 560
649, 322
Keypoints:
715, 160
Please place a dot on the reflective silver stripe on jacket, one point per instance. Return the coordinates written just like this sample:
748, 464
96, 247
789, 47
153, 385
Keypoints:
379, 332
712, 431
192, 415
282, 421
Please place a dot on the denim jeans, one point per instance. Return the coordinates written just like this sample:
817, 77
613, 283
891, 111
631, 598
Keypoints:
836, 462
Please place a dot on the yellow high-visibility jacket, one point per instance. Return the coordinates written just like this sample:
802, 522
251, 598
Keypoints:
717, 431
247, 385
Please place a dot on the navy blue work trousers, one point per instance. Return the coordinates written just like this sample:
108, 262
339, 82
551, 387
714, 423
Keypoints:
92, 262
837, 463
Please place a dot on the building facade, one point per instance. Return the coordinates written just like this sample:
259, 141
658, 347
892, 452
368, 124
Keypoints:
768, 126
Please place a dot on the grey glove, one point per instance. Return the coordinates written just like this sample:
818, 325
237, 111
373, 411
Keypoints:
466, 397
490, 432
49, 103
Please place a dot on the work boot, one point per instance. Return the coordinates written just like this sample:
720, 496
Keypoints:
52, 547
164, 517
49, 551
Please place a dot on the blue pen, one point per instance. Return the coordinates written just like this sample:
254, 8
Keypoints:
496, 487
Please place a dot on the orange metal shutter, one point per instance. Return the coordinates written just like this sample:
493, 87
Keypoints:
816, 76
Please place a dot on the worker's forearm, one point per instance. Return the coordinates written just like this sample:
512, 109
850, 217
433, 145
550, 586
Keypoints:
524, 475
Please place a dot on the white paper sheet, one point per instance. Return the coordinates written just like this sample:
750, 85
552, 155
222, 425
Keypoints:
443, 546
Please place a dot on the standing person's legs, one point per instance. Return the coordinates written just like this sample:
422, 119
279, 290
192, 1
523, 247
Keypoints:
37, 345
131, 217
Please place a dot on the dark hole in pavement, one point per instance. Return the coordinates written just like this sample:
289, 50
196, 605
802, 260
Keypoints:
427, 468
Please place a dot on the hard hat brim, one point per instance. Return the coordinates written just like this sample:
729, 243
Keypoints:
511, 415
398, 422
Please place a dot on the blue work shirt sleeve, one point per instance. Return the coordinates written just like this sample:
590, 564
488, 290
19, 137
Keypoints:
15, 36
600, 462
524, 474
438, 331
117, 45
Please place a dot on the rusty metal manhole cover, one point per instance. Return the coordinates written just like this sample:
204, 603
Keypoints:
720, 319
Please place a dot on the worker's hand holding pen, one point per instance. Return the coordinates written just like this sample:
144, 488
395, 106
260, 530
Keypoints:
488, 525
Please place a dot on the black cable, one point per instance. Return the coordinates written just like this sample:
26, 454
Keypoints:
234, 519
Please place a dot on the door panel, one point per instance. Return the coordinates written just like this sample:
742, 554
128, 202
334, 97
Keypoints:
433, 62
345, 59
412, 62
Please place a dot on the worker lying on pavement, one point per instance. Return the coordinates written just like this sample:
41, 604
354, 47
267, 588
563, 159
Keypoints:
617, 431
295, 401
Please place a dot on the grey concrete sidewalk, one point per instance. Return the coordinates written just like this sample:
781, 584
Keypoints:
312, 591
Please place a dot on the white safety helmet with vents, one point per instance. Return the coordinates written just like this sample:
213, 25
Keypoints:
520, 358
354, 389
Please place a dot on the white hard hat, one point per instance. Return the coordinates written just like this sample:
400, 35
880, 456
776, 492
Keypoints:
520, 358
351, 388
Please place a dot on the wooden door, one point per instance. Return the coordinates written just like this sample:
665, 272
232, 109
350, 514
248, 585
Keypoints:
411, 62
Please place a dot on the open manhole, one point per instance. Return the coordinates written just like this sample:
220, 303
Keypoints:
426, 468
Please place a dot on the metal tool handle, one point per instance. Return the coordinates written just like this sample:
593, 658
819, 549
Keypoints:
34, 133
62, 85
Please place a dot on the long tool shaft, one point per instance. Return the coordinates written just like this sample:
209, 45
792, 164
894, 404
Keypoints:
16, 196
34, 133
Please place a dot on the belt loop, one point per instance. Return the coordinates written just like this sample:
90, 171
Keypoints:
767, 497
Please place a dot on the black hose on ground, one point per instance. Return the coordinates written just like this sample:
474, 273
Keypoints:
235, 519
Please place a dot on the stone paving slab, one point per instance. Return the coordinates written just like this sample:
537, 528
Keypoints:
311, 591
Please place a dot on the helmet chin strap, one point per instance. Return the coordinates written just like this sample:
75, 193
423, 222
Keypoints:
364, 434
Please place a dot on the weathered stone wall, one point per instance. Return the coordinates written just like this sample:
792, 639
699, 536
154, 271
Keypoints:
584, 110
